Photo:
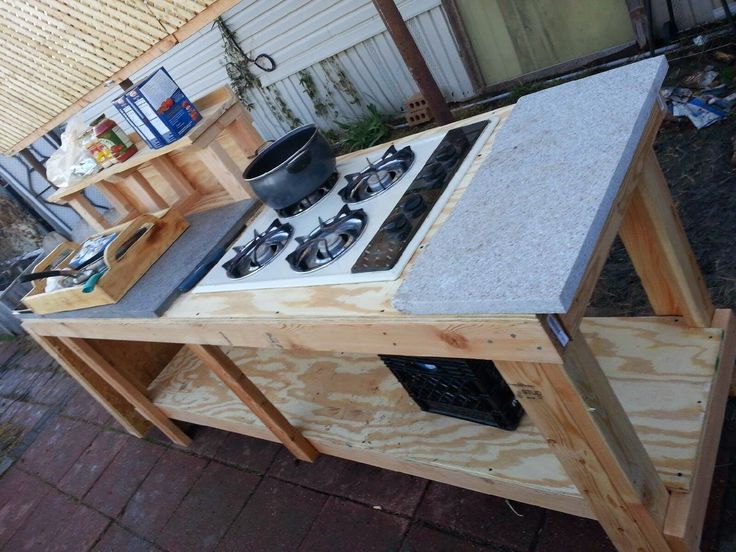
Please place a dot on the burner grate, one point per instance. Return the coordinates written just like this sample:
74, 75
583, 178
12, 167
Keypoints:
379, 176
329, 241
310, 201
260, 251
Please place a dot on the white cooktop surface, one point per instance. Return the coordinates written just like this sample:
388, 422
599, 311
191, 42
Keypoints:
279, 274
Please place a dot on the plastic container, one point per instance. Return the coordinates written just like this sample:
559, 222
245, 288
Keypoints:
468, 389
101, 152
111, 135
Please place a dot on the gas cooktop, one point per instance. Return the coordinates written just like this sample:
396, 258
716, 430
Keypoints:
362, 225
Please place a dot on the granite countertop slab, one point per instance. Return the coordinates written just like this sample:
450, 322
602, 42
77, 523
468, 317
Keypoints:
153, 293
523, 232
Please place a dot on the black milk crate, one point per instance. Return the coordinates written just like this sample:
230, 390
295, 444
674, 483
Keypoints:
468, 389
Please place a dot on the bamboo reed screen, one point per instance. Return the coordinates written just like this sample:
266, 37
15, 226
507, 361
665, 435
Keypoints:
56, 54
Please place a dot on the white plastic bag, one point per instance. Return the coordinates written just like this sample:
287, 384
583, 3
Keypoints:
71, 163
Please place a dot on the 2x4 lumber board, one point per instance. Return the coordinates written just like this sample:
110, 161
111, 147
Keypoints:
180, 187
659, 249
88, 212
510, 338
227, 173
246, 391
117, 199
686, 513
143, 193
118, 407
129, 390
351, 406
245, 133
577, 411
571, 319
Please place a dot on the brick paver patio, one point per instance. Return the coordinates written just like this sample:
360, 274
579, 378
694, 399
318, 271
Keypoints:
73, 480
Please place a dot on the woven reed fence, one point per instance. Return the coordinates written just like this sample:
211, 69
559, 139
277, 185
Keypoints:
57, 54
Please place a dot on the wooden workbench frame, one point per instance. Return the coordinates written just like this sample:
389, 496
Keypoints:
544, 358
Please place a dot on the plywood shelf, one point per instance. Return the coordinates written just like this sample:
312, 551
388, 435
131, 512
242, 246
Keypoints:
351, 406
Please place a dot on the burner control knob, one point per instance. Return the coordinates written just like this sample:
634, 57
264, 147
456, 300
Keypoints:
413, 205
397, 225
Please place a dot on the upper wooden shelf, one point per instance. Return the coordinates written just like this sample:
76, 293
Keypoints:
351, 406
212, 107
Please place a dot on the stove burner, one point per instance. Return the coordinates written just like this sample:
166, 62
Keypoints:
260, 251
379, 176
309, 201
328, 241
413, 204
432, 176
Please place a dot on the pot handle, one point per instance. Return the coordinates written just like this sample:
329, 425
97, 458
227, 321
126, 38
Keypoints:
300, 162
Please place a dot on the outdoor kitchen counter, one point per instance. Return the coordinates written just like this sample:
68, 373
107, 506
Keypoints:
624, 414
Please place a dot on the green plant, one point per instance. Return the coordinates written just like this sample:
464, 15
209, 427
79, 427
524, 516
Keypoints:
364, 133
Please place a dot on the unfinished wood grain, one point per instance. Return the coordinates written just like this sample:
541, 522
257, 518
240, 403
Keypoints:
118, 200
659, 249
509, 338
112, 401
231, 375
686, 512
88, 212
571, 319
350, 405
125, 387
587, 428
177, 183
228, 174
142, 193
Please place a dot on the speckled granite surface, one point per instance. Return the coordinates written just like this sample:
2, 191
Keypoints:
522, 234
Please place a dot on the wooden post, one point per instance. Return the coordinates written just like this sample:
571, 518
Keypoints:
272, 418
118, 200
180, 187
227, 173
117, 405
141, 188
88, 212
126, 388
656, 242
575, 408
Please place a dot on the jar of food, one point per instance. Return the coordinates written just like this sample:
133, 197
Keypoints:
111, 135
101, 153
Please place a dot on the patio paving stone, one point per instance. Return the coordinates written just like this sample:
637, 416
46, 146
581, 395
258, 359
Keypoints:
118, 539
57, 447
207, 511
161, 492
92, 463
19, 494
347, 526
484, 517
276, 518
123, 475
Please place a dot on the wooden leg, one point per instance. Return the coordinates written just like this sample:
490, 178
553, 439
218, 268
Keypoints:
247, 137
118, 200
126, 388
117, 405
149, 198
228, 174
176, 181
576, 410
87, 211
272, 418
686, 513
656, 242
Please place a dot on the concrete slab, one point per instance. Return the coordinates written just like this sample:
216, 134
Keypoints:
522, 234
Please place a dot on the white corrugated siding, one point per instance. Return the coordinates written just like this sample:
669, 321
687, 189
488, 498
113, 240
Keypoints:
332, 40
688, 13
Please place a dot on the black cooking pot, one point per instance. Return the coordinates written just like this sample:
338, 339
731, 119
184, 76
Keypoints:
291, 168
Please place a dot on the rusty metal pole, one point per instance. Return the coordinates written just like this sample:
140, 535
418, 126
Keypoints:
414, 61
